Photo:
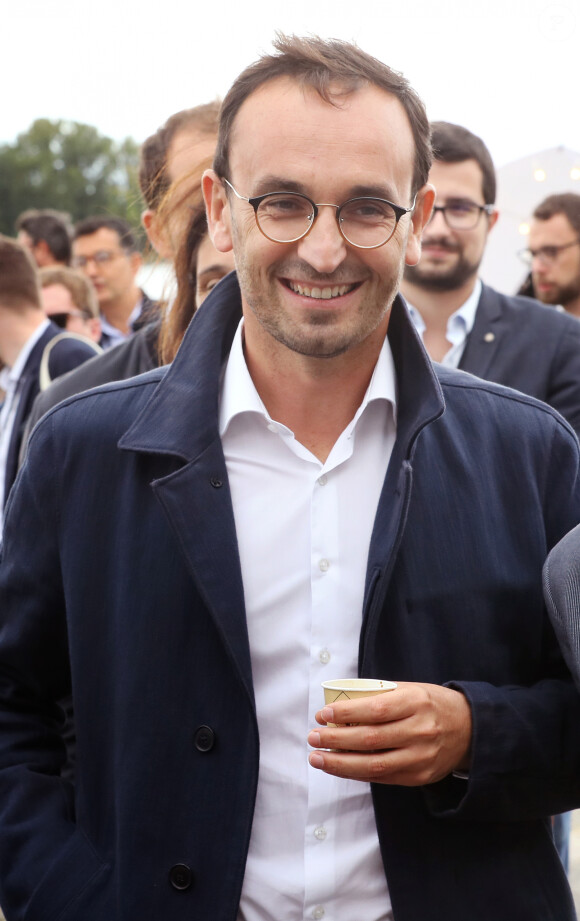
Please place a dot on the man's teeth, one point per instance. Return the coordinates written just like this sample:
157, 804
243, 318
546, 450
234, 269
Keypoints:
336, 291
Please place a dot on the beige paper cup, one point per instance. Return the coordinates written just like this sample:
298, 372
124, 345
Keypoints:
352, 688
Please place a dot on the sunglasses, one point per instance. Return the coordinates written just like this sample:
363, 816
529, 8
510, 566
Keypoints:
61, 319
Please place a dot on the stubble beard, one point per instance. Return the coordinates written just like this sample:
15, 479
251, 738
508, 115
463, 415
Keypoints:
445, 280
320, 334
562, 294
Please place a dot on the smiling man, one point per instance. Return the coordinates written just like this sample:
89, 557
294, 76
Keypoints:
298, 497
466, 324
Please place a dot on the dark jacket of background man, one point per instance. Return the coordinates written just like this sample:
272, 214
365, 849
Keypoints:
514, 341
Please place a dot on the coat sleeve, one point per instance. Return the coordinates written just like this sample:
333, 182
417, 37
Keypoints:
37, 814
561, 578
525, 758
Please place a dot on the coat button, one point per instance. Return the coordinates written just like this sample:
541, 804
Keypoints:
180, 876
216, 482
204, 739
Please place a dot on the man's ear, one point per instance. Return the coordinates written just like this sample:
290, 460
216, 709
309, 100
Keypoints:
419, 219
136, 262
42, 254
217, 208
95, 331
492, 220
155, 230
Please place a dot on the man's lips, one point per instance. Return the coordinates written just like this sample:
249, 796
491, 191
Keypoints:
320, 292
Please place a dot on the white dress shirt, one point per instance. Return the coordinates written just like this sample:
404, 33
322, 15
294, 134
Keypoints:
10, 383
459, 326
112, 335
303, 531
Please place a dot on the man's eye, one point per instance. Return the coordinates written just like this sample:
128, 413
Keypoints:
461, 209
281, 206
368, 211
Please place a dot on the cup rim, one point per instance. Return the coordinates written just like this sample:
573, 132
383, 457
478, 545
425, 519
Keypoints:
359, 684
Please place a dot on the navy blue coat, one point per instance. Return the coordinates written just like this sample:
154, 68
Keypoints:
120, 578
521, 343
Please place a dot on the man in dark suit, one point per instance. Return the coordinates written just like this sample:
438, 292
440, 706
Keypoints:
299, 496
25, 333
514, 341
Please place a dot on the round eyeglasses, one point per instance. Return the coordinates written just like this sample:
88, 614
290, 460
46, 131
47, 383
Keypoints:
462, 215
285, 217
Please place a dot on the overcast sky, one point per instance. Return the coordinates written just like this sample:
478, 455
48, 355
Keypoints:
506, 69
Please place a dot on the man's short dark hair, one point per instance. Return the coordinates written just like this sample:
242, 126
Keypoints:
90, 225
454, 144
323, 65
153, 179
54, 227
19, 287
566, 203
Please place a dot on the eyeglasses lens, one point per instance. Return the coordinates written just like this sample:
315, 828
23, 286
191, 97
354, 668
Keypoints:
60, 319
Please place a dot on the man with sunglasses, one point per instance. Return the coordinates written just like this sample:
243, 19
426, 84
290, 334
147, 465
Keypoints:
467, 324
554, 251
69, 299
300, 496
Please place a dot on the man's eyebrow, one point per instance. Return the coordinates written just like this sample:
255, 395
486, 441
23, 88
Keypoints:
273, 183
373, 191
459, 200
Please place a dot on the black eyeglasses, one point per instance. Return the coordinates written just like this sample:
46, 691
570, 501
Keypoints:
545, 254
462, 215
102, 257
285, 217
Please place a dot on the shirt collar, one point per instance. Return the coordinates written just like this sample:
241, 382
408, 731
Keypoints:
24, 353
113, 331
239, 395
464, 316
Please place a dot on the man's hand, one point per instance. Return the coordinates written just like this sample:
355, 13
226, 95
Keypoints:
414, 735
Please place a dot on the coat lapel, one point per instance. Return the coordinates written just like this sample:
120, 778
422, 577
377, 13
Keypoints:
419, 403
181, 422
485, 337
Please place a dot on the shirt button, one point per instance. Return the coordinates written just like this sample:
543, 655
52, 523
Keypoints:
324, 656
272, 427
323, 565
320, 834
322, 480
318, 913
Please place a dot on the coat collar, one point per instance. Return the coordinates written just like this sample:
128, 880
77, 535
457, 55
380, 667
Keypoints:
181, 419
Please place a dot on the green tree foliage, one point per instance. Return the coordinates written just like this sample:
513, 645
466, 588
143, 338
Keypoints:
70, 167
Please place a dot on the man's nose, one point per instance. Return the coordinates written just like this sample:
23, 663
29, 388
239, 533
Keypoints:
91, 268
324, 247
539, 264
